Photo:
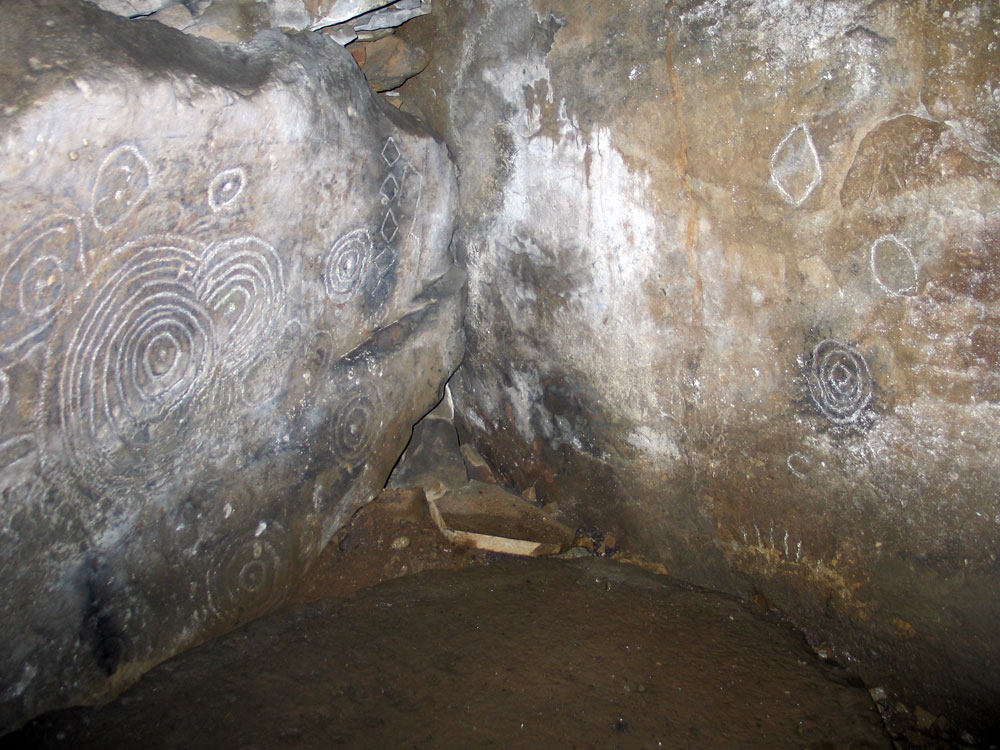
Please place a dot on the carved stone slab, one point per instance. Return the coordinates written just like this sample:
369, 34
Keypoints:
225, 296
735, 295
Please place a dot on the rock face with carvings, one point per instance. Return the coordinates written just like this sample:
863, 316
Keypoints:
733, 294
226, 294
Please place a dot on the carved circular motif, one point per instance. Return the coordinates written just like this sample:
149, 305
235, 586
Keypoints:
225, 188
243, 288
346, 264
123, 181
34, 280
839, 382
248, 575
141, 346
356, 423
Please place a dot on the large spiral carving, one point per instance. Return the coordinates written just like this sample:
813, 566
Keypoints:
356, 423
161, 331
839, 382
243, 288
249, 574
142, 347
37, 267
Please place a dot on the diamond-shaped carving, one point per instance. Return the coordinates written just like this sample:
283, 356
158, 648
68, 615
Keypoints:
390, 152
383, 261
389, 226
795, 167
389, 189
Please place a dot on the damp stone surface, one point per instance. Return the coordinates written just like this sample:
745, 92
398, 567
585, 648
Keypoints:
733, 296
226, 295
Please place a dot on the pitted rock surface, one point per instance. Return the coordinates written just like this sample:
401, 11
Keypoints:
733, 273
226, 294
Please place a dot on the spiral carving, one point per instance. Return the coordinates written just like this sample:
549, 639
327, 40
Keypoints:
36, 271
840, 383
142, 346
244, 289
346, 265
356, 423
159, 332
249, 574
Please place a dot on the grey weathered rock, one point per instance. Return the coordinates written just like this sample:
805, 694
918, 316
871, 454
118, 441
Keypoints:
733, 295
133, 8
226, 294
433, 457
221, 21
358, 15
391, 16
236, 20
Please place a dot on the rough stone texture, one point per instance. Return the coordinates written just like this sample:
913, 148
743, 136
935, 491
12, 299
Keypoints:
345, 17
226, 294
734, 275
130, 8
222, 21
433, 456
388, 62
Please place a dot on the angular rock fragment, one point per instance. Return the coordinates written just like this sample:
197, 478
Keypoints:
221, 21
345, 18
476, 466
392, 15
433, 457
226, 294
389, 62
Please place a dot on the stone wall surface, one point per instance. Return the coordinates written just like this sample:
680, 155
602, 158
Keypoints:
733, 294
226, 294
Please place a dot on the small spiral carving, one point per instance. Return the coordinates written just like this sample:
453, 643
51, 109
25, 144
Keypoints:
37, 273
346, 265
840, 383
356, 423
249, 574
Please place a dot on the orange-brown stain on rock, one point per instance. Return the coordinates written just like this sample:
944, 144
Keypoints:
974, 270
907, 155
681, 160
984, 344
765, 554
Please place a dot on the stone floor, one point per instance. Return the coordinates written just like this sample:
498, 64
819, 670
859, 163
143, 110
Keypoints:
459, 648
